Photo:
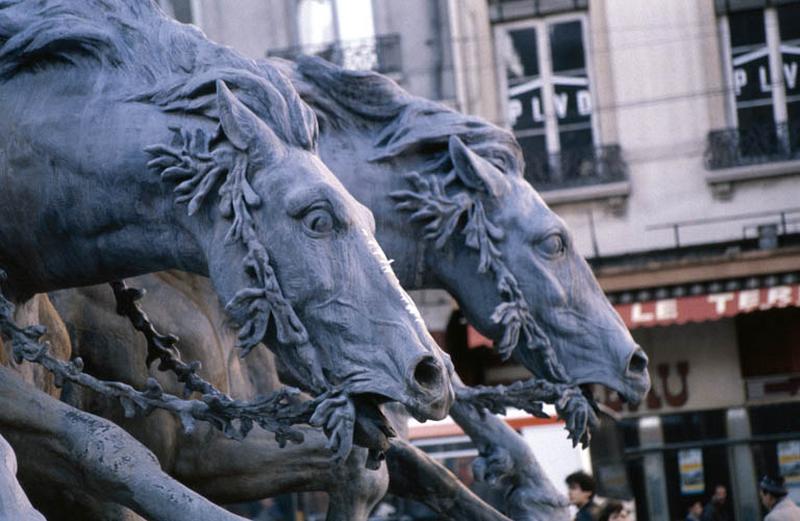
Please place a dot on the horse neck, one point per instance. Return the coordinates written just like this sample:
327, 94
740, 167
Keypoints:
92, 209
347, 154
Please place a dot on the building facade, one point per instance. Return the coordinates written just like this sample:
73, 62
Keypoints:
666, 134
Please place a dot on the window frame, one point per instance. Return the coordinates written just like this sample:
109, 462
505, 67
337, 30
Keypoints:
544, 54
775, 56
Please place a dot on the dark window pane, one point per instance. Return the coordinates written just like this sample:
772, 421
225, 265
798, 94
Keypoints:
578, 159
566, 46
182, 10
775, 419
525, 110
789, 22
572, 100
773, 354
757, 135
791, 69
693, 426
751, 76
523, 61
575, 140
747, 28
534, 150
794, 126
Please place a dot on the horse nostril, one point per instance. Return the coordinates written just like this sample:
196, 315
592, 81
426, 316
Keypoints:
638, 362
428, 374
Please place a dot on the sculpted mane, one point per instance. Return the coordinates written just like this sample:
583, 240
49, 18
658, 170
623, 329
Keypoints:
176, 65
408, 123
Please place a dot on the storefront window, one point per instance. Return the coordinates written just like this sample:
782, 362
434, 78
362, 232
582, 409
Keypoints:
776, 449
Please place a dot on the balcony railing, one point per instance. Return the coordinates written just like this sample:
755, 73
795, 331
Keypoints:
380, 54
576, 167
757, 144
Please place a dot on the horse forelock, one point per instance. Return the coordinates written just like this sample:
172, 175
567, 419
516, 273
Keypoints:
164, 57
407, 123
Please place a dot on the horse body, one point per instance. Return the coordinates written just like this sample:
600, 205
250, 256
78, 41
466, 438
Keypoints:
88, 202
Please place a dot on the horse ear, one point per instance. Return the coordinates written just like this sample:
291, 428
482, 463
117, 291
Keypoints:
474, 171
239, 123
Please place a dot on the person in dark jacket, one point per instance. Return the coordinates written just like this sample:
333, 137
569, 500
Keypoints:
581, 487
613, 511
695, 511
717, 508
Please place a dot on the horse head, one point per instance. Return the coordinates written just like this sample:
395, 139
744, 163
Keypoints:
535, 295
292, 255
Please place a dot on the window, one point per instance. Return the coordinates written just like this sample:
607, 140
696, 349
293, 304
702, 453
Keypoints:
549, 102
181, 10
341, 32
763, 48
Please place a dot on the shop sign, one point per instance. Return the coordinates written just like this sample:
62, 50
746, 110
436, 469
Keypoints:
690, 466
701, 308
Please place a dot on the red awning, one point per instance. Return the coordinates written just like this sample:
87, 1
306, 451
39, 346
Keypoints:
696, 308
700, 308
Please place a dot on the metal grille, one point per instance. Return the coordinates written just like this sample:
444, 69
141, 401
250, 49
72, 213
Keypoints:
576, 167
731, 147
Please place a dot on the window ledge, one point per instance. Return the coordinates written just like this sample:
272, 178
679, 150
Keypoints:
615, 193
722, 181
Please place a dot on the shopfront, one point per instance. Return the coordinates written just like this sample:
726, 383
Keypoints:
724, 407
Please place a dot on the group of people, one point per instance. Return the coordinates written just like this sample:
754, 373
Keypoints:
772, 492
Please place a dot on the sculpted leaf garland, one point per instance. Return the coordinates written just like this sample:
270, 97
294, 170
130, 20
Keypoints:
196, 169
442, 213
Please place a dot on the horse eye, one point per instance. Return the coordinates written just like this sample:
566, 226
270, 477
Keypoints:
553, 245
319, 221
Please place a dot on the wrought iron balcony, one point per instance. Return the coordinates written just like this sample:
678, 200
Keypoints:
757, 144
380, 54
576, 167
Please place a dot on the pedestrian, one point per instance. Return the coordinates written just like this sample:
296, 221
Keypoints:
581, 488
695, 511
775, 499
717, 507
613, 511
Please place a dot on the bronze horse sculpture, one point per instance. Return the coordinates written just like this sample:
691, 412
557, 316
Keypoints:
115, 185
493, 244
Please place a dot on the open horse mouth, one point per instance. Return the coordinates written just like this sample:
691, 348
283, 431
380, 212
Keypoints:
590, 391
372, 428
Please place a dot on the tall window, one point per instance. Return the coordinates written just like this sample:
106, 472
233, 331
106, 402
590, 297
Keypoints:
340, 31
548, 97
766, 106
